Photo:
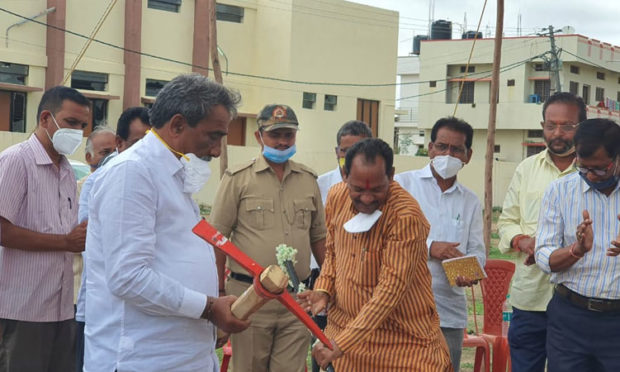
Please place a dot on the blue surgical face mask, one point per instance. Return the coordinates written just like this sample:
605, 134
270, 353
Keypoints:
608, 183
278, 156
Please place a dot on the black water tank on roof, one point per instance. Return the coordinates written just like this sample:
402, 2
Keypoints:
441, 30
416, 43
472, 35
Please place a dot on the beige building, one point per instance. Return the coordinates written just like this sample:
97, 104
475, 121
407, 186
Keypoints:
332, 61
589, 68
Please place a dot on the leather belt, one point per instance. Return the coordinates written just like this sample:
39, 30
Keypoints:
588, 303
248, 279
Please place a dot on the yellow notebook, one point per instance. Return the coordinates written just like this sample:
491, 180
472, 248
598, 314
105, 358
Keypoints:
466, 266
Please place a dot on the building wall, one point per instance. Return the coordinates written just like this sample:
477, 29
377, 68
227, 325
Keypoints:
330, 41
441, 61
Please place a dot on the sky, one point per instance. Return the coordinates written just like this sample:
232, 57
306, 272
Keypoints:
595, 19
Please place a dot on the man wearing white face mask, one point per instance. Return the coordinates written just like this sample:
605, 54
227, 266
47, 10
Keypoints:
151, 283
265, 202
455, 216
38, 218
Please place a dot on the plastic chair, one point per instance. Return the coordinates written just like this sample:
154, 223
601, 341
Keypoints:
494, 290
483, 350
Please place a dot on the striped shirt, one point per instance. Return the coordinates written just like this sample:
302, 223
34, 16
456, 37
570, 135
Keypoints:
36, 286
596, 274
383, 314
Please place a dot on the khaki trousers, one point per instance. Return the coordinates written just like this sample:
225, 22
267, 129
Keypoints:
275, 342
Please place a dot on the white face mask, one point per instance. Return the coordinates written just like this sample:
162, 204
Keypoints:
446, 166
65, 140
197, 173
362, 222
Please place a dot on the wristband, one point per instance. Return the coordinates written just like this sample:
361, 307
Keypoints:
208, 311
516, 240
572, 253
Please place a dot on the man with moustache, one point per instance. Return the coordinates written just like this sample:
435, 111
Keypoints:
382, 314
531, 290
578, 243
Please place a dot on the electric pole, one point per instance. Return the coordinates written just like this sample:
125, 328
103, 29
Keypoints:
552, 58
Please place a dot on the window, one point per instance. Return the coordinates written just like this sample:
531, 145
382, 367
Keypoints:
467, 95
168, 5
586, 94
13, 73
153, 87
600, 75
574, 88
236, 131
89, 80
618, 97
432, 83
13, 104
618, 80
534, 133
368, 112
511, 82
330, 102
599, 94
542, 88
228, 13
574, 70
309, 100
469, 69
539, 67
100, 112
496, 148
533, 150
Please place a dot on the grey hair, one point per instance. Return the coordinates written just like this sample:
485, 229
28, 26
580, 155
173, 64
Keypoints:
193, 96
99, 130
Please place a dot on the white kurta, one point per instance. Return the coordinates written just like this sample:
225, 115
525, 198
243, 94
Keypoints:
148, 275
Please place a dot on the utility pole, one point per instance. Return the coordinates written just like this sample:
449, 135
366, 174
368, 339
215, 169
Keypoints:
217, 74
552, 58
488, 164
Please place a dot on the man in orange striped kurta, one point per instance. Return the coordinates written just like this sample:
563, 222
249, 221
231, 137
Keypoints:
382, 315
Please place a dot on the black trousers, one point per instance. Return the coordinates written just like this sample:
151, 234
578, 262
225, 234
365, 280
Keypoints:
37, 346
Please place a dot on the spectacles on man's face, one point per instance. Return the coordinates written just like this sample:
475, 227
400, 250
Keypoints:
445, 148
564, 128
598, 172
342, 151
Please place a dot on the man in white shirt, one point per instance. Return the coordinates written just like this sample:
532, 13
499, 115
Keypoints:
151, 299
348, 135
455, 216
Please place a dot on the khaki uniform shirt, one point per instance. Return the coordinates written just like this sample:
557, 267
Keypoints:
258, 212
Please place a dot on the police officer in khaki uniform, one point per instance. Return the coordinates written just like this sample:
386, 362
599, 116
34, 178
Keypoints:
265, 202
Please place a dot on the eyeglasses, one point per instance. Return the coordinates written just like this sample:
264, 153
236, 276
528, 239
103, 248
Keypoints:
564, 128
598, 172
444, 148
341, 150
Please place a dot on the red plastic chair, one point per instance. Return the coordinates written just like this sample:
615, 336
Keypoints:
494, 290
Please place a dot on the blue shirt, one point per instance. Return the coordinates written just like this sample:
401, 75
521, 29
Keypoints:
596, 274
